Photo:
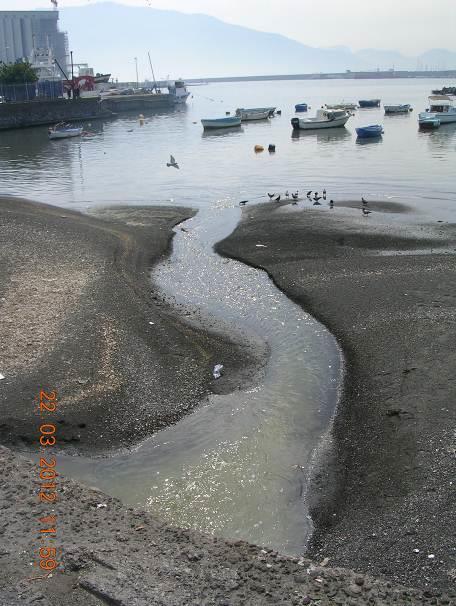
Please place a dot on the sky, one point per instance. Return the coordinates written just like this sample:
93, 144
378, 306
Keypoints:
409, 26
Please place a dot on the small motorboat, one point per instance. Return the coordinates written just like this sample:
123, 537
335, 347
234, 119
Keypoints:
325, 118
270, 110
227, 122
400, 108
369, 102
342, 105
247, 115
301, 107
374, 130
428, 122
64, 131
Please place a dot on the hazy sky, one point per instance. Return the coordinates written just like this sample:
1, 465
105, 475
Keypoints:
410, 26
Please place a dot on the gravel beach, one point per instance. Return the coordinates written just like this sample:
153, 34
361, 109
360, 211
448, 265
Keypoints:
384, 491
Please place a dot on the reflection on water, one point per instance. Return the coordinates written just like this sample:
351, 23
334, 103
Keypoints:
369, 140
222, 132
324, 135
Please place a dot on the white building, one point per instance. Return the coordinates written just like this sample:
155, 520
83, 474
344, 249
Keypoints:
23, 31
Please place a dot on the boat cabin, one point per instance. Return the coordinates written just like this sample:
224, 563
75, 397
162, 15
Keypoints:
440, 104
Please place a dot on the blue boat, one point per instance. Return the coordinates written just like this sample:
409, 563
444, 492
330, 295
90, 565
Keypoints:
374, 130
301, 107
369, 102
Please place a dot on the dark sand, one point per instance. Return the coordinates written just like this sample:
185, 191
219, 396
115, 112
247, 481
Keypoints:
76, 306
386, 483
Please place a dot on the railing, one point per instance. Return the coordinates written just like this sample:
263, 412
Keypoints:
18, 93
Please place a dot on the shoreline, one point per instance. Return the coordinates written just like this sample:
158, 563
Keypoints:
376, 496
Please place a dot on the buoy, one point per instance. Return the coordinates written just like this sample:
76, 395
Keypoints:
271, 147
259, 148
227, 113
141, 119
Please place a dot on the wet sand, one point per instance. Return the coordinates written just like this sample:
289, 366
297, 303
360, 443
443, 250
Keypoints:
384, 491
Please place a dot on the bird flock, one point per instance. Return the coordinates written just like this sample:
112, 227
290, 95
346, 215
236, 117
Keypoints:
312, 197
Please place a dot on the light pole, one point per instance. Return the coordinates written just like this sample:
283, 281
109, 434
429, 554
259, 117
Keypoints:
137, 79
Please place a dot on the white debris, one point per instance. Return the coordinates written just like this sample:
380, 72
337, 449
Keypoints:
431, 556
100, 505
217, 372
261, 245
416, 551
1, 376
151, 323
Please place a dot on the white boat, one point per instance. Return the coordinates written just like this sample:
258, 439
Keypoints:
441, 107
260, 110
64, 131
178, 91
342, 105
400, 108
325, 118
248, 115
228, 122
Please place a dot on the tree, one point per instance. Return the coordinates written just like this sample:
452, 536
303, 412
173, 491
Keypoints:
17, 73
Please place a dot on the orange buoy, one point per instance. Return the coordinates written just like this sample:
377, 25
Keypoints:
258, 148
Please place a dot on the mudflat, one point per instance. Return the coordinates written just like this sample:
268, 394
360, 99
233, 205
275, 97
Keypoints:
383, 496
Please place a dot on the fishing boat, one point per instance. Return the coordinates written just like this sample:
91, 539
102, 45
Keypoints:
64, 131
178, 91
259, 110
247, 115
428, 122
369, 103
323, 119
441, 107
301, 107
342, 105
400, 108
228, 122
374, 130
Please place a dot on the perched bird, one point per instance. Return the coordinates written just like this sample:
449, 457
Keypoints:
363, 201
295, 196
316, 195
243, 202
366, 212
271, 196
331, 204
309, 193
277, 199
287, 195
324, 194
317, 198
172, 162
317, 203
183, 229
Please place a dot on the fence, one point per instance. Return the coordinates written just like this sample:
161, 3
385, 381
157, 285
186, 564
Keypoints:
43, 89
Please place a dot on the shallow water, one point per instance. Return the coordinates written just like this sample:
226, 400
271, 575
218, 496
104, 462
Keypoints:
238, 467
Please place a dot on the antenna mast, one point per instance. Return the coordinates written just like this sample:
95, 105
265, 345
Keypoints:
152, 70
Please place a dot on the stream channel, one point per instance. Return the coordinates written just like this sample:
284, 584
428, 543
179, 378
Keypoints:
238, 466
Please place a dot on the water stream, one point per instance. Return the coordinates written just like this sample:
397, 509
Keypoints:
238, 466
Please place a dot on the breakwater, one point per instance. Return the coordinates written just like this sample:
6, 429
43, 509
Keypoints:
34, 113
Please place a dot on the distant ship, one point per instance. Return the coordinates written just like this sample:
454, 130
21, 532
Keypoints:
101, 78
179, 91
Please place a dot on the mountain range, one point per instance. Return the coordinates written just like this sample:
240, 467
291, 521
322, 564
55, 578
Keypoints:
109, 36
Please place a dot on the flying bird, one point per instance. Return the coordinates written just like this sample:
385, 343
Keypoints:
366, 212
277, 199
271, 196
243, 202
309, 193
172, 162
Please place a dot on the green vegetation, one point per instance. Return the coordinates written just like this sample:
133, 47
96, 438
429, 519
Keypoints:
17, 73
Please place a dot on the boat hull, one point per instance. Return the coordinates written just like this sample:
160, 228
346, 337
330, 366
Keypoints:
397, 109
65, 133
221, 123
443, 117
311, 124
241, 110
369, 132
255, 115
369, 103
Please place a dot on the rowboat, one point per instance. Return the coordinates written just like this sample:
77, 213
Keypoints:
221, 122
323, 119
428, 122
369, 103
400, 108
64, 131
301, 107
247, 115
259, 110
342, 105
374, 130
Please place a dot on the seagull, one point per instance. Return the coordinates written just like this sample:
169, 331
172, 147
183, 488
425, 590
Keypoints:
366, 212
243, 202
331, 204
363, 201
317, 203
271, 196
324, 194
295, 196
317, 198
287, 195
316, 195
172, 162
277, 199
309, 193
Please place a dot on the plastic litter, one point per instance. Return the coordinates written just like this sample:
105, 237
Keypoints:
217, 372
1, 376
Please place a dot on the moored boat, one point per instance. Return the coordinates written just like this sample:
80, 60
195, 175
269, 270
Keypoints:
369, 103
400, 108
427, 122
324, 119
270, 110
374, 130
301, 107
227, 122
64, 131
441, 107
178, 91
342, 105
247, 115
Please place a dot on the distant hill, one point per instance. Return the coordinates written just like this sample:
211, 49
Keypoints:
108, 36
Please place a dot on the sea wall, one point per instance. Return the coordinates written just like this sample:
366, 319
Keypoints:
33, 113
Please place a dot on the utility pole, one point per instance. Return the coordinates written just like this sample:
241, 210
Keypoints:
72, 75
137, 78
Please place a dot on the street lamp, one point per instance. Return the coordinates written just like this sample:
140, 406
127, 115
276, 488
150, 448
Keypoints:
137, 79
